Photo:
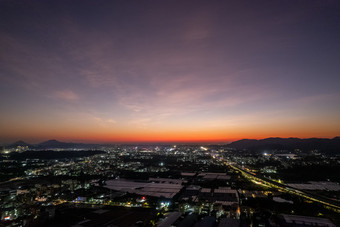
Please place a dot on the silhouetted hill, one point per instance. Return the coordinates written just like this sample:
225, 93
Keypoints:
49, 144
325, 145
19, 143
55, 144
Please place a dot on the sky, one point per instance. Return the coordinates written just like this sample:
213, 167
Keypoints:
168, 71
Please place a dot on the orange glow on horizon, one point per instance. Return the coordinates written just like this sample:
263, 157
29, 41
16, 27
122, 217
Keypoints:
217, 136
85, 130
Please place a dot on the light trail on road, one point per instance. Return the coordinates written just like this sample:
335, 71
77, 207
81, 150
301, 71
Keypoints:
267, 182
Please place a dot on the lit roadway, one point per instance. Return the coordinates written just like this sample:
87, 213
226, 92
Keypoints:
319, 199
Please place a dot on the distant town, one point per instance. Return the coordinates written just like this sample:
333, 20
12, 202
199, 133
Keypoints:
270, 182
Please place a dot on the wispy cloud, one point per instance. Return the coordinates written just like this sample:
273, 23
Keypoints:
196, 66
67, 95
104, 122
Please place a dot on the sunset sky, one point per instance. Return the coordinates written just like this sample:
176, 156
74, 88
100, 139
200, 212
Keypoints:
168, 71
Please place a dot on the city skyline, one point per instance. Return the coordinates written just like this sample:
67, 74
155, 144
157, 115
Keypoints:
170, 71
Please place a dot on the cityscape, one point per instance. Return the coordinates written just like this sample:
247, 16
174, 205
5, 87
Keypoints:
169, 113
170, 185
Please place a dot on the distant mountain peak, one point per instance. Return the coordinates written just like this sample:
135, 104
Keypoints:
53, 141
19, 143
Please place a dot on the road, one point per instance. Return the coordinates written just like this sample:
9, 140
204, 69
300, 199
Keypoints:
319, 199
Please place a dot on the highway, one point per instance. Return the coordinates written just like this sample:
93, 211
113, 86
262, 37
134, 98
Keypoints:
268, 182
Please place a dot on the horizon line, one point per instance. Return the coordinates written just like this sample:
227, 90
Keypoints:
212, 142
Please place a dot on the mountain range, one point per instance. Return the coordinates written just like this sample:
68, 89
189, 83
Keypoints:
321, 144
52, 144
325, 145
